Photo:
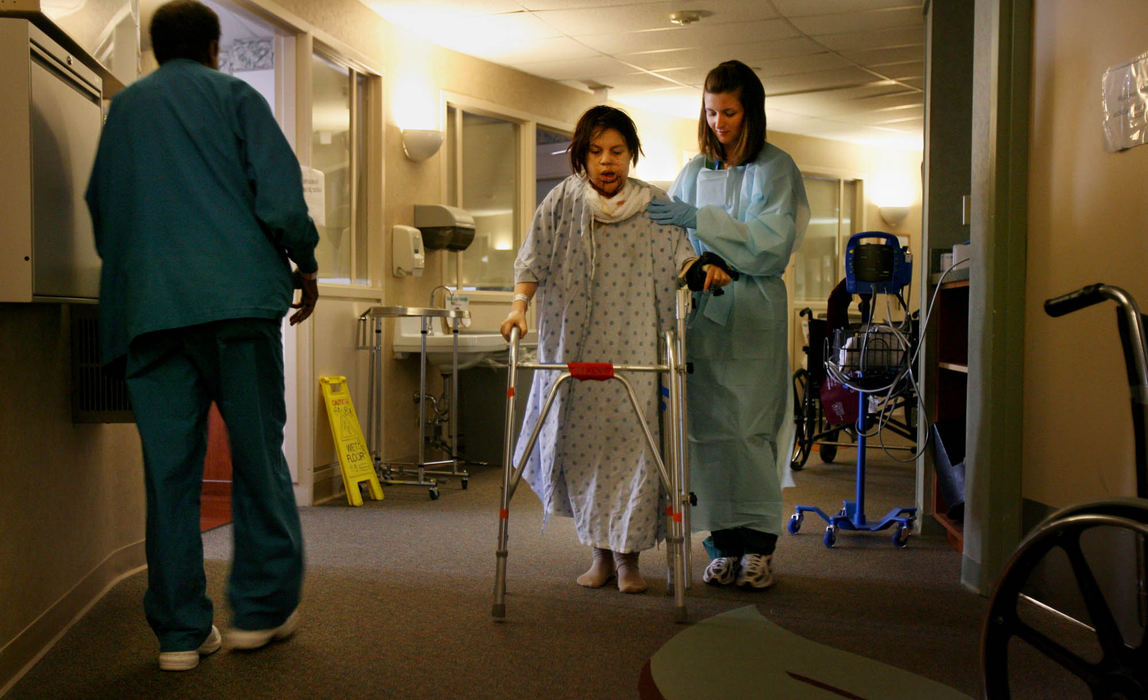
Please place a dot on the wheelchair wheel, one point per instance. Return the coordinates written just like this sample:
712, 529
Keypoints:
805, 420
827, 451
1089, 559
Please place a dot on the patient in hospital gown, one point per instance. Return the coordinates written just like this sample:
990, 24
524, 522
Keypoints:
603, 277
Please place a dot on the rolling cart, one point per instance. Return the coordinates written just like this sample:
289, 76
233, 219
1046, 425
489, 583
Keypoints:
672, 471
871, 359
421, 472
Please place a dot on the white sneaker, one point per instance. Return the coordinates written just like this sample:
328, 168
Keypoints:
255, 639
756, 571
187, 660
721, 571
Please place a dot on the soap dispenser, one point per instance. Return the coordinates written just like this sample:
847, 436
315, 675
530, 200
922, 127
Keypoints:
407, 251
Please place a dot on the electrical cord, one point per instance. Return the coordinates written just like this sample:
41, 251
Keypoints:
909, 360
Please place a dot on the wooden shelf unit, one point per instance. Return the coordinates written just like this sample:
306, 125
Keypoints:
952, 318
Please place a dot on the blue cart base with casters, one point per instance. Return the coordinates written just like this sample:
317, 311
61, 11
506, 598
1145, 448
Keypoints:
852, 515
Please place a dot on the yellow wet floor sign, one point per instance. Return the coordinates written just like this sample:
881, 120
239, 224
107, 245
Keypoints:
354, 457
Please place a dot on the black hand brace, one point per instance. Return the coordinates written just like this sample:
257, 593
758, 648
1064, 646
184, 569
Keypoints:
696, 274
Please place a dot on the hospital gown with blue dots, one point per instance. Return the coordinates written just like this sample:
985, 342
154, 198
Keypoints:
606, 292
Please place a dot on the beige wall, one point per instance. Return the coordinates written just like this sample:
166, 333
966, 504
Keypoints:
71, 495
1088, 222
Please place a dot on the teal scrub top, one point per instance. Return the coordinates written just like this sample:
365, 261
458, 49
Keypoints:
197, 206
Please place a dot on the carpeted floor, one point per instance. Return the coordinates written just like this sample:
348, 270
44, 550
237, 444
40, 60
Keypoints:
398, 597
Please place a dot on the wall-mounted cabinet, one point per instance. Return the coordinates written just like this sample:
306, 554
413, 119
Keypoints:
51, 124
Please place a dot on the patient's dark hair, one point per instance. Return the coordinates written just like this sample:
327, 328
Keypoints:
184, 29
594, 121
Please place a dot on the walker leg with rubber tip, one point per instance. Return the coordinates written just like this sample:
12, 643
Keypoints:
677, 542
499, 608
677, 546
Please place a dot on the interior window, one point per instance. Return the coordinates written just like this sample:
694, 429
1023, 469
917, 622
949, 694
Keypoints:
552, 161
338, 176
819, 264
484, 181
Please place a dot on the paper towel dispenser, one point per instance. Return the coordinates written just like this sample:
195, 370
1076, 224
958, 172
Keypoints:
444, 227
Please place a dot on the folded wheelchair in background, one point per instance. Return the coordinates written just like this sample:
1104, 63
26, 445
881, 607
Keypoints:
825, 411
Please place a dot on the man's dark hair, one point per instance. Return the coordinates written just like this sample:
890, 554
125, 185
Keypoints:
738, 78
184, 29
593, 122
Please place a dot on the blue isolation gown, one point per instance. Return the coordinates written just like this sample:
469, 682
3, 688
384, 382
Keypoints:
740, 417
605, 293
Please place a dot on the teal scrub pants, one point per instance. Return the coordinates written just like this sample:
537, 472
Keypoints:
172, 378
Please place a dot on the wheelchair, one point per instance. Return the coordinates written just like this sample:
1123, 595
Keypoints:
1072, 603
826, 425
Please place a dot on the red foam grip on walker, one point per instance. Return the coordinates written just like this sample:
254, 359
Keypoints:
510, 392
596, 371
503, 514
677, 517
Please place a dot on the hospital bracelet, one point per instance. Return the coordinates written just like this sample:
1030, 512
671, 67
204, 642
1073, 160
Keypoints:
523, 298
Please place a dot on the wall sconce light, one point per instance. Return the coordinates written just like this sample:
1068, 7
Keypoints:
893, 215
420, 144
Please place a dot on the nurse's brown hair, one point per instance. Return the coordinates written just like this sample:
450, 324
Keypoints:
737, 78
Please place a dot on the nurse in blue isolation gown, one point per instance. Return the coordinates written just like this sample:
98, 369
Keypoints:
742, 198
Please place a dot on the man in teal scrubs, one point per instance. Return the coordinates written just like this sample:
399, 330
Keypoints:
198, 211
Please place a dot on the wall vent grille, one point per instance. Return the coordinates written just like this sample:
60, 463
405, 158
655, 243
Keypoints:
98, 396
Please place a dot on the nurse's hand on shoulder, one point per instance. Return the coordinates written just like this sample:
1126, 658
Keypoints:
675, 213
515, 319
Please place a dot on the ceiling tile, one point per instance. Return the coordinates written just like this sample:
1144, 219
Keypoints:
546, 5
859, 21
841, 66
898, 36
805, 8
755, 52
801, 64
879, 56
526, 53
437, 8
609, 20
822, 80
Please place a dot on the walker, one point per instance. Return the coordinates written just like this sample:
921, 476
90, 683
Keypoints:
672, 472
